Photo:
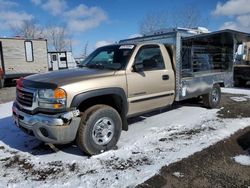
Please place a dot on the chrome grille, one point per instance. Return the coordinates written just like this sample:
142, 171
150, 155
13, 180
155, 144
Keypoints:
25, 98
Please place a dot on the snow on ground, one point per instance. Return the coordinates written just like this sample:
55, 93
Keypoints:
243, 159
239, 99
236, 91
178, 174
152, 141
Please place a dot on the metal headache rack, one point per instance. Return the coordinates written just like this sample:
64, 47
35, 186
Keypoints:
200, 59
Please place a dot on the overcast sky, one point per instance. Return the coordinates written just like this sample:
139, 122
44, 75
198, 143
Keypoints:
103, 21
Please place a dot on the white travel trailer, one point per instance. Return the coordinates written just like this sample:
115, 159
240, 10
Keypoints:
61, 60
22, 57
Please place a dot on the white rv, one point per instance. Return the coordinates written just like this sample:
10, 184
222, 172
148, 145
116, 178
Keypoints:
22, 57
61, 60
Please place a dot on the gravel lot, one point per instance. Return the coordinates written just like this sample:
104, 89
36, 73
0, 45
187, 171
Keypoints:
7, 94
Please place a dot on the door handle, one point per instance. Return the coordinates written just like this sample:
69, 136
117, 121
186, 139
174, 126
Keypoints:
165, 77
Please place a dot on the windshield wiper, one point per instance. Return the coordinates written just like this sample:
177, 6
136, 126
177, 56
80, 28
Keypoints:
101, 66
96, 66
81, 65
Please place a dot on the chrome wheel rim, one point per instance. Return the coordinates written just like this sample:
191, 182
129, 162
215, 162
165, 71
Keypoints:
215, 95
103, 131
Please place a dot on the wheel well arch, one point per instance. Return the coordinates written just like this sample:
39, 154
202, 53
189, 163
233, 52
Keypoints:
114, 97
112, 100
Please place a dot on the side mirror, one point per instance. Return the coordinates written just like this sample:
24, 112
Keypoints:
138, 67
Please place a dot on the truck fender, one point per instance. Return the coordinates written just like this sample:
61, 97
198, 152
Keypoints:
79, 98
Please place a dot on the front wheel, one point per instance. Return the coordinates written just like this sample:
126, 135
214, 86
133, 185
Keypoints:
99, 130
212, 99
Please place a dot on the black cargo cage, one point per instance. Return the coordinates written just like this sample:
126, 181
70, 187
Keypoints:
222, 37
210, 52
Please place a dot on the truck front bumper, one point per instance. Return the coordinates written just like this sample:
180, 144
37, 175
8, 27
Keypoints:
56, 129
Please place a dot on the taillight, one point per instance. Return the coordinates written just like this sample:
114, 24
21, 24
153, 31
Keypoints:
19, 82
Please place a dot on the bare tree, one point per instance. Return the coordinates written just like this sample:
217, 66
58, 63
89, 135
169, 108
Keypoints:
58, 38
189, 17
152, 22
28, 29
85, 50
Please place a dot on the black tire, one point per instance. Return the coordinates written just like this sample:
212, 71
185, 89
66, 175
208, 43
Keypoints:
87, 138
1, 83
212, 99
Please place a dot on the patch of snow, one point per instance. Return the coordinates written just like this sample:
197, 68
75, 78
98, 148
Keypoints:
245, 92
243, 159
151, 143
238, 99
178, 174
236, 91
5, 109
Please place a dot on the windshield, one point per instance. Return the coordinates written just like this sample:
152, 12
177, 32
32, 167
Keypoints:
109, 57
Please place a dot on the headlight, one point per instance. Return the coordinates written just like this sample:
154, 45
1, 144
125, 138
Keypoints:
46, 94
49, 98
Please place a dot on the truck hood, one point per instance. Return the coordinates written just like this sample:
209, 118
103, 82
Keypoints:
64, 77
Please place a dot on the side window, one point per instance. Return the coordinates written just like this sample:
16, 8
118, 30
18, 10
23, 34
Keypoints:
54, 57
29, 51
151, 58
63, 59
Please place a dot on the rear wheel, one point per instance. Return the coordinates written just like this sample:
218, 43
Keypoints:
99, 130
212, 99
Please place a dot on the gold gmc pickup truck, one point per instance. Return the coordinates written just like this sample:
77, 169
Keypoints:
91, 104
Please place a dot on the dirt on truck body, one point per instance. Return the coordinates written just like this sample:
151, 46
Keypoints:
91, 104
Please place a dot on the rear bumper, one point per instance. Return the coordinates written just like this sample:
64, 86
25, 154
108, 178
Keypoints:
55, 129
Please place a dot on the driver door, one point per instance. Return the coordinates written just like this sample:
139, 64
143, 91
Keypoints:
153, 86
